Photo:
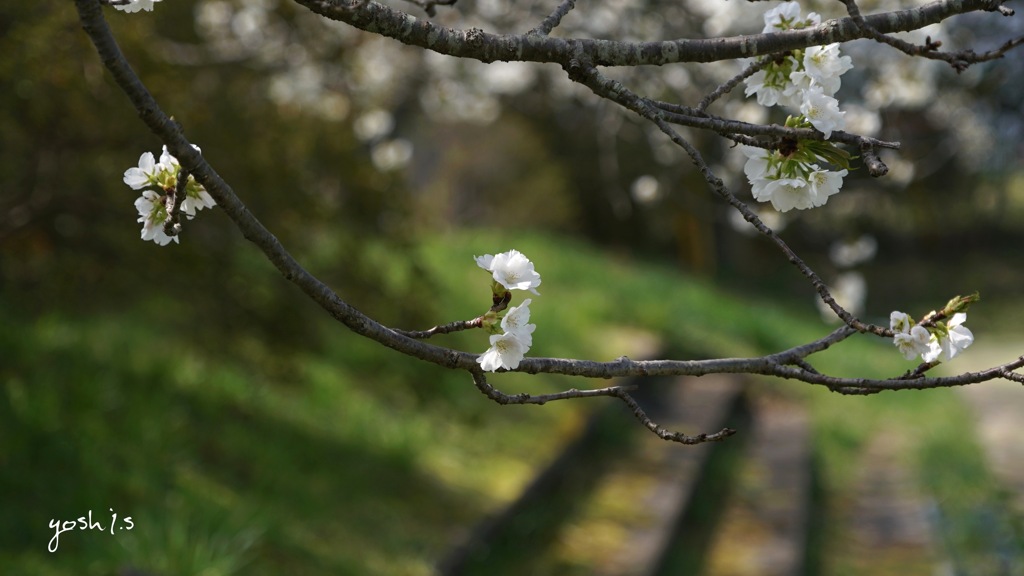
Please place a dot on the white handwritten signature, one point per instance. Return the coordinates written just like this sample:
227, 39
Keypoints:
85, 523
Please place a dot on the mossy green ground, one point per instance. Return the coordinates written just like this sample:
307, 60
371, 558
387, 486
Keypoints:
351, 459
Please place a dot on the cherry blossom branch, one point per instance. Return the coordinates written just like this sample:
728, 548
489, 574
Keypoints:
253, 230
95, 26
790, 364
620, 392
879, 385
742, 132
613, 90
476, 44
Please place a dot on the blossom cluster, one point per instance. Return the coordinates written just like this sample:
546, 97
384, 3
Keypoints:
512, 337
794, 175
939, 342
158, 182
805, 80
794, 178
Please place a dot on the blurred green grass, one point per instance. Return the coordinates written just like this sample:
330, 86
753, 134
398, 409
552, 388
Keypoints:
241, 457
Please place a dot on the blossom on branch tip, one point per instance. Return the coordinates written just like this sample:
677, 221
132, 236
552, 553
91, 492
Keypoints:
511, 269
131, 6
956, 339
941, 342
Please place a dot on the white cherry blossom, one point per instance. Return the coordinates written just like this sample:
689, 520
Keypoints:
823, 66
900, 322
512, 270
917, 341
506, 351
143, 175
136, 5
958, 339
824, 183
782, 17
153, 215
786, 194
517, 323
767, 95
822, 112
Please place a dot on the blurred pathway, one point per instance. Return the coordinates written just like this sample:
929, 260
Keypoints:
889, 530
998, 408
660, 479
765, 525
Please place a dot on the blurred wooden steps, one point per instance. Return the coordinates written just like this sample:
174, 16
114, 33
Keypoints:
765, 523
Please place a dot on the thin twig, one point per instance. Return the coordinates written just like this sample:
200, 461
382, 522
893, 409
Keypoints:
959, 60
172, 227
919, 371
480, 379
428, 5
553, 19
668, 434
870, 158
456, 326
1010, 375
620, 392
686, 116
806, 366
837, 384
727, 87
855, 390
